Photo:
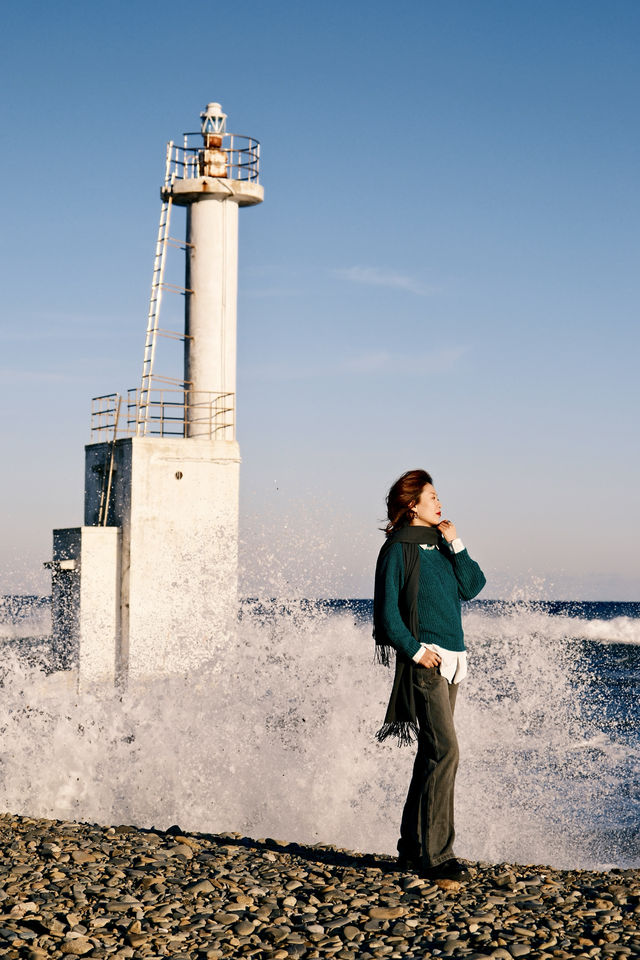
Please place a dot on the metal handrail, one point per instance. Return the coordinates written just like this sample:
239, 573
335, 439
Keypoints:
166, 411
243, 158
105, 414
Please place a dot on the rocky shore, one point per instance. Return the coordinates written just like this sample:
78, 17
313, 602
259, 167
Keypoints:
73, 889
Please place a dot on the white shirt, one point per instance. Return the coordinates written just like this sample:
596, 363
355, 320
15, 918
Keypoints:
454, 662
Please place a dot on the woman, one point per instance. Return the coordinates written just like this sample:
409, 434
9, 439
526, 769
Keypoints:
422, 574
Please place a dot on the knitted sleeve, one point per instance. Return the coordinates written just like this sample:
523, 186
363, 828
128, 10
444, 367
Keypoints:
470, 577
392, 578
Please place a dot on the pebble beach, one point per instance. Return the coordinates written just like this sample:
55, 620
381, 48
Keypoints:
76, 889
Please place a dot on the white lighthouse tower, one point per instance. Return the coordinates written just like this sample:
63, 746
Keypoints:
149, 584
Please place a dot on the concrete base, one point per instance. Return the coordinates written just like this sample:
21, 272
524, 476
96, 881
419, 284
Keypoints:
86, 600
176, 501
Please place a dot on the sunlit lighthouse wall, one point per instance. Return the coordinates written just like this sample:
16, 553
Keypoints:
148, 585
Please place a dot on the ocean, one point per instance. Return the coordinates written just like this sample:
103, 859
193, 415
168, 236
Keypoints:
275, 735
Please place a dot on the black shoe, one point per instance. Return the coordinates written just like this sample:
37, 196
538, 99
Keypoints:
409, 864
449, 870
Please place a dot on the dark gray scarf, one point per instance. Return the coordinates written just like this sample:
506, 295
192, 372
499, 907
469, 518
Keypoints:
400, 719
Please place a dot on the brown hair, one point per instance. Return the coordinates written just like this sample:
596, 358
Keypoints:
405, 491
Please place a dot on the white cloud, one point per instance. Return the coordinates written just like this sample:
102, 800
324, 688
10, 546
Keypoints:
379, 277
9, 375
362, 364
44, 326
440, 361
365, 363
273, 292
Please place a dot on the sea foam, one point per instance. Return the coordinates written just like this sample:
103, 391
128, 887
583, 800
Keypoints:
275, 736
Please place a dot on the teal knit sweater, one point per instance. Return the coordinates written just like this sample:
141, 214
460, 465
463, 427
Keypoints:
446, 578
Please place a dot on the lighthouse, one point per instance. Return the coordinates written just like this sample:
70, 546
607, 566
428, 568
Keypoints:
148, 585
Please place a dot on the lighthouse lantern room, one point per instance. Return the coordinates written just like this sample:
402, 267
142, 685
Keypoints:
149, 584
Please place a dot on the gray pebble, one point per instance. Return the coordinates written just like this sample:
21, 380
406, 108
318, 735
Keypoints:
519, 949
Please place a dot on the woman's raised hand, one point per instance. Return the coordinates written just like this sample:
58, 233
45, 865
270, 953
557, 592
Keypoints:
448, 530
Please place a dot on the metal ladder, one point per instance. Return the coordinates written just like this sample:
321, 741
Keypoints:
107, 477
153, 316
158, 284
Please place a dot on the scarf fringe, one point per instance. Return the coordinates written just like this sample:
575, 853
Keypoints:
405, 732
382, 654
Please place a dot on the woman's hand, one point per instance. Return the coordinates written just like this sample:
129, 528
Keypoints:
430, 659
448, 530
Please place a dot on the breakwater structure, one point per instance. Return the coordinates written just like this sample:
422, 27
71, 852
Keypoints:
158, 549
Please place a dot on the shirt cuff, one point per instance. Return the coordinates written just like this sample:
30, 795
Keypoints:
457, 546
419, 654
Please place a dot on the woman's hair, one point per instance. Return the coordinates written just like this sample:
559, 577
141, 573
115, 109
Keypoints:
405, 490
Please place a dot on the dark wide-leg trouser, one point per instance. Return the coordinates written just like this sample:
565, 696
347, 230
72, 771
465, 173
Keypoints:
427, 831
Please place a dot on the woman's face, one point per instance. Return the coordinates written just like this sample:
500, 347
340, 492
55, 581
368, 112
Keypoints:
427, 509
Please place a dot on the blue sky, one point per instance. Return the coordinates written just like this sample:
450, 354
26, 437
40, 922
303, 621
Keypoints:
443, 273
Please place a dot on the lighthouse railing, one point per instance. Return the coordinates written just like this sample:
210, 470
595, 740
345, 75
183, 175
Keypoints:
167, 412
105, 416
185, 162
